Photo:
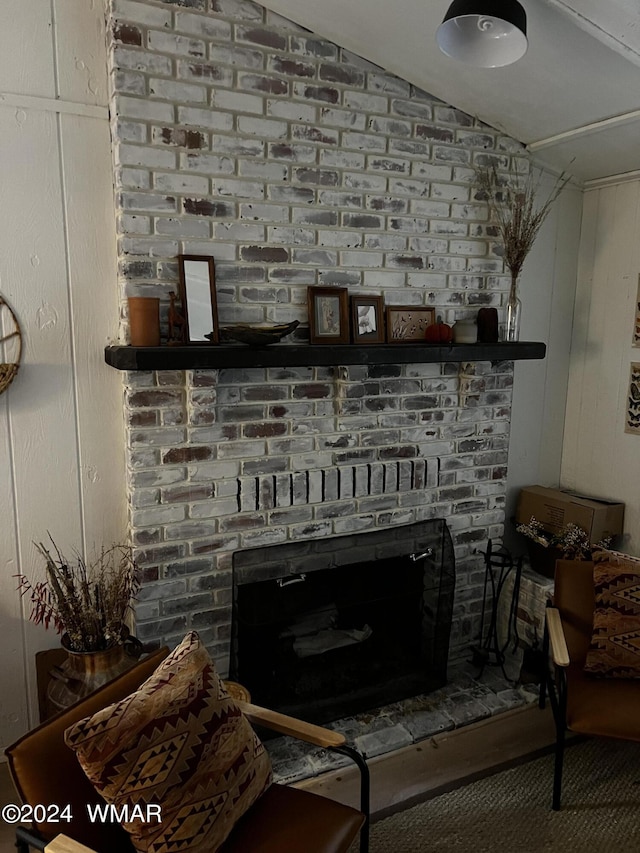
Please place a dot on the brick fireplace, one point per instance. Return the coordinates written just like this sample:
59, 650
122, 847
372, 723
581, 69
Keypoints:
327, 628
240, 135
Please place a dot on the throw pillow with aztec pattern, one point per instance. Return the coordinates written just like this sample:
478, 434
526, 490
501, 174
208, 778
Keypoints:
614, 651
181, 745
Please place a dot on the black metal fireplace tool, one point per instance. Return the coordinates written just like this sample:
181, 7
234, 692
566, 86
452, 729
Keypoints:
499, 565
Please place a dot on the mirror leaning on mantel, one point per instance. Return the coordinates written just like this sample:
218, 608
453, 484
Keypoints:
198, 298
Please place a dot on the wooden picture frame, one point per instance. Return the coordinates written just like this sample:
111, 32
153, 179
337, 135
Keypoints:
408, 323
198, 299
328, 315
367, 319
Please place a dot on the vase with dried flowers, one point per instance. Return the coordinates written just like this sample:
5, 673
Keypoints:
88, 603
571, 542
512, 199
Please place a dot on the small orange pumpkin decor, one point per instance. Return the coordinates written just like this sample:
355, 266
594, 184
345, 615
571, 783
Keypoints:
439, 333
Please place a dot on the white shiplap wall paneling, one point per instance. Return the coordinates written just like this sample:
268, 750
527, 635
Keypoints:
61, 432
598, 457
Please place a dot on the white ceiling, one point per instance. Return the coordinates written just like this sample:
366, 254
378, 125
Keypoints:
574, 98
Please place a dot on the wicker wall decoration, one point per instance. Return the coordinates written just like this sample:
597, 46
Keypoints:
10, 345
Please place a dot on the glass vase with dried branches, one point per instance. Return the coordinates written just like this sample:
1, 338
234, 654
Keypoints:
512, 197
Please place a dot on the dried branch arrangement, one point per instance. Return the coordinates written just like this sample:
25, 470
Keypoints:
512, 201
571, 540
87, 601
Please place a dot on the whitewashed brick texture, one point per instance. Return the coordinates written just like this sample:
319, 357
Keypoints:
238, 134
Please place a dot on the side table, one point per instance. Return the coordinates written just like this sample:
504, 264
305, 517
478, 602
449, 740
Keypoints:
50, 658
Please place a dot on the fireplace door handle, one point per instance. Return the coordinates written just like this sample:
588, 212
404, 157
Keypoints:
416, 557
282, 582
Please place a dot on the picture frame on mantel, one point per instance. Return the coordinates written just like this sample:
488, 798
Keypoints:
367, 319
408, 323
197, 284
328, 315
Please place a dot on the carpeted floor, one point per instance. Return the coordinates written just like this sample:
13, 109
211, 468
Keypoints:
510, 812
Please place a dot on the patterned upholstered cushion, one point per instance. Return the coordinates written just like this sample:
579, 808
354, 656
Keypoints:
179, 742
615, 643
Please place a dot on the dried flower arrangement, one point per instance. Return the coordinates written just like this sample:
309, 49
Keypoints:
88, 602
572, 540
513, 205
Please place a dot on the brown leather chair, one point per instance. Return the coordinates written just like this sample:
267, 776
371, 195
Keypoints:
283, 820
582, 703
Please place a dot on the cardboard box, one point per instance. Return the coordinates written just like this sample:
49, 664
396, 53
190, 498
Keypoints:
554, 508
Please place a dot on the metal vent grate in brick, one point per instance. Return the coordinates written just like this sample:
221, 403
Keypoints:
332, 484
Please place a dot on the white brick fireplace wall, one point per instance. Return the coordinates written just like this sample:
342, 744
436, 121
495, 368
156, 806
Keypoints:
239, 135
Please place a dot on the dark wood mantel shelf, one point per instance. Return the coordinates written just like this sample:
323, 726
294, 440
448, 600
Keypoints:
209, 356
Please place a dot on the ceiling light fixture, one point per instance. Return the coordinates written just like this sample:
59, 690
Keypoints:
484, 33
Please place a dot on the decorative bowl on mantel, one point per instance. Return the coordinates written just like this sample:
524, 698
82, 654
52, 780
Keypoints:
257, 336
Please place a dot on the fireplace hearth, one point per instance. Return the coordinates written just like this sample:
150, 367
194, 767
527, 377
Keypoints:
326, 628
